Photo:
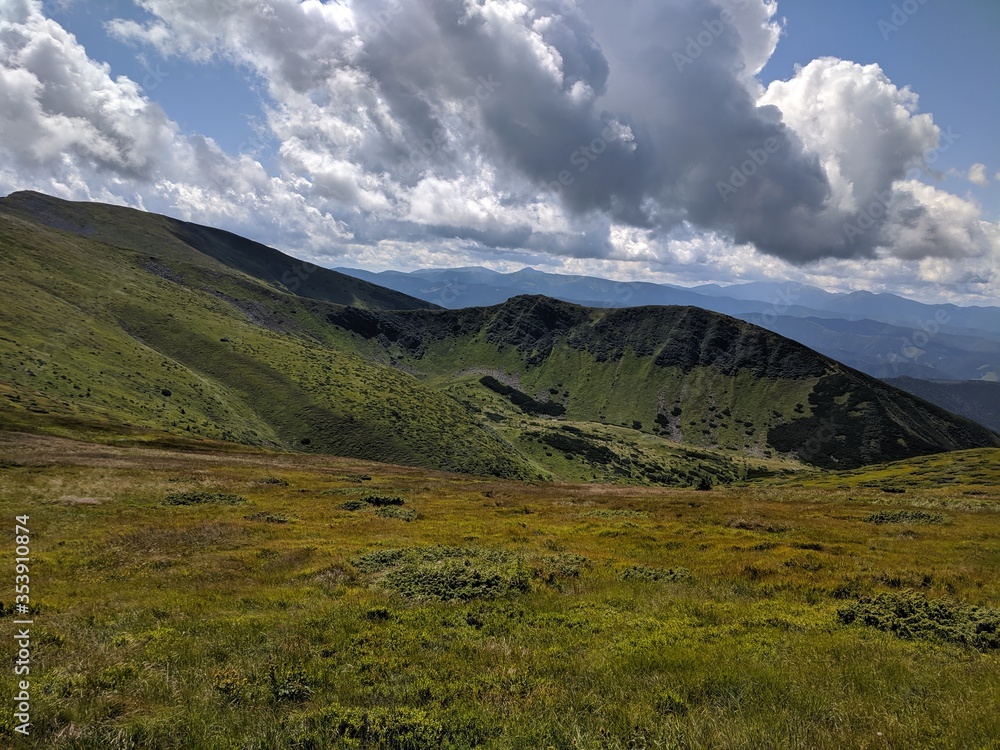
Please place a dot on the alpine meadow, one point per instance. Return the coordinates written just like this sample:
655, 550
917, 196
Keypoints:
667, 530
499, 375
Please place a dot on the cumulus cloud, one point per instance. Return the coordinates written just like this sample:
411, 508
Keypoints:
552, 132
977, 175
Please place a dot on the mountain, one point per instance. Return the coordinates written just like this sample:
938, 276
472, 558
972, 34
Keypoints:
977, 400
887, 351
689, 374
881, 335
210, 251
118, 322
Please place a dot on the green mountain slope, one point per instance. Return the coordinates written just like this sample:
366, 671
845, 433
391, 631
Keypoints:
169, 240
95, 334
694, 376
118, 320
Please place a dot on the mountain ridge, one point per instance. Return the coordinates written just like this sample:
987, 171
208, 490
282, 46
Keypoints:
917, 340
111, 318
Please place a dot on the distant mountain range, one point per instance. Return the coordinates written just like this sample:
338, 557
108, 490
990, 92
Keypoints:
880, 334
117, 322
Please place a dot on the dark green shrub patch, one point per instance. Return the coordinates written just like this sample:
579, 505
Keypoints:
647, 574
381, 501
267, 517
904, 516
384, 728
910, 616
203, 498
446, 573
554, 569
356, 478
289, 686
400, 514
354, 504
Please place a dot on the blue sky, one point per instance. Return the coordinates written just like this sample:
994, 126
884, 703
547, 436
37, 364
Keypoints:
569, 135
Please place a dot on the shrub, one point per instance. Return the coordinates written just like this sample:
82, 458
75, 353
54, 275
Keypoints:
289, 686
446, 573
401, 514
381, 501
273, 480
378, 728
750, 524
668, 702
203, 498
904, 516
646, 574
910, 615
553, 569
353, 505
267, 517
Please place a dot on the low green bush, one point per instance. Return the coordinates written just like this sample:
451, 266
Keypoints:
400, 514
381, 501
910, 615
353, 505
446, 573
646, 574
384, 728
904, 516
267, 517
203, 498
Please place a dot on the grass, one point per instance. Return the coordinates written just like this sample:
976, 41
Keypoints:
505, 615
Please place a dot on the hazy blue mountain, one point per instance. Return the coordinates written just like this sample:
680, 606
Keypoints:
888, 351
474, 287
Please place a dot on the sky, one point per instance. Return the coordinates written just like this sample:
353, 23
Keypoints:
848, 145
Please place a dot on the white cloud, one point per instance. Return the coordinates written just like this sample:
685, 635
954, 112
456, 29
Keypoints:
434, 132
869, 135
977, 175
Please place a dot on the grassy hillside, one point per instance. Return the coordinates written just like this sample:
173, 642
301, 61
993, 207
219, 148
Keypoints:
92, 333
211, 251
121, 322
241, 599
683, 373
